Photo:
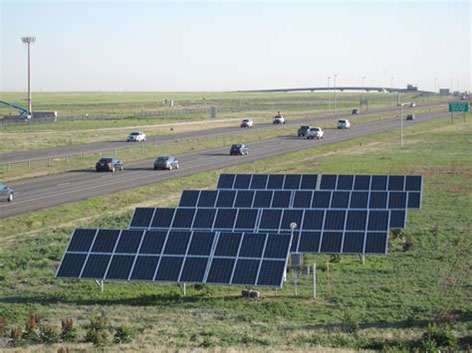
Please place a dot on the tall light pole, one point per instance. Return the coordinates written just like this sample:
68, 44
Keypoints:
329, 95
334, 86
28, 41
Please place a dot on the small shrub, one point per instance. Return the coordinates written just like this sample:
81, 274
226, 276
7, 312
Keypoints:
441, 334
69, 332
409, 242
49, 334
97, 331
123, 334
335, 258
16, 334
31, 327
398, 233
63, 350
351, 321
3, 326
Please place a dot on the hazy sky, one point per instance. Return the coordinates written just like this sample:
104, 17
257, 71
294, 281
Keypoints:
230, 45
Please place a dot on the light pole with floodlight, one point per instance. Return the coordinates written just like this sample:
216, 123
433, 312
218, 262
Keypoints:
28, 41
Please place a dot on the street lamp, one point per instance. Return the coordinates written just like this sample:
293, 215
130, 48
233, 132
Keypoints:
334, 86
28, 41
329, 95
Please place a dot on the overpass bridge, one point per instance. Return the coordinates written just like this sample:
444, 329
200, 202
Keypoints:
341, 89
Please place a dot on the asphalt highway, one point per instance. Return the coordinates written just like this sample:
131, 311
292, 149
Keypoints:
44, 192
293, 120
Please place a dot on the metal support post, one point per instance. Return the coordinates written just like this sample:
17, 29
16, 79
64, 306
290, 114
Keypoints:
362, 258
314, 280
100, 284
401, 125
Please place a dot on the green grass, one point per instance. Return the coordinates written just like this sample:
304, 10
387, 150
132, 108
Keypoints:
391, 297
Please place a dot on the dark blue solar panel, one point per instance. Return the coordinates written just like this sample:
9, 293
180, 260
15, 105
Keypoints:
270, 219
276, 182
163, 217
414, 200
397, 199
176, 243
396, 182
242, 181
144, 268
376, 243
328, 182
378, 199
271, 273
246, 272
183, 217
302, 199
201, 243
71, 265
194, 269
244, 198
169, 269
379, 182
359, 199
353, 242
246, 219
82, 240
96, 266
362, 182
378, 220
340, 199
331, 242
207, 198
225, 218
356, 220
105, 240
263, 199
252, 245
204, 218
309, 182
334, 220
290, 216
259, 181
189, 198
281, 199
313, 220
228, 244
345, 182
120, 267
413, 183
129, 241
142, 217
153, 242
292, 181
226, 198
276, 246
225, 181
397, 219
321, 199
221, 270
309, 242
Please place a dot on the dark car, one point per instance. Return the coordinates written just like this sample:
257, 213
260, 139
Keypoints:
410, 117
166, 162
238, 149
109, 164
303, 130
355, 111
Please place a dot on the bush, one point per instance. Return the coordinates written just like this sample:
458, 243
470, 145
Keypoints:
49, 334
351, 321
3, 326
409, 242
16, 334
69, 332
31, 327
441, 334
123, 334
97, 331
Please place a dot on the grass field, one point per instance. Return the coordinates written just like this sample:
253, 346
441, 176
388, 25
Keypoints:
385, 304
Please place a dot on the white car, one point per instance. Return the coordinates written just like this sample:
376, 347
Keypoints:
279, 119
247, 123
315, 132
412, 104
344, 124
136, 136
6, 193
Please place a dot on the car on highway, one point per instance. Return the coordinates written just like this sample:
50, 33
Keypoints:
279, 119
238, 149
410, 117
166, 162
315, 132
412, 104
344, 124
247, 123
302, 130
136, 136
109, 164
354, 111
6, 193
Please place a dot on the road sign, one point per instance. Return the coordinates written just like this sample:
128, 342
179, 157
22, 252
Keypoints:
458, 107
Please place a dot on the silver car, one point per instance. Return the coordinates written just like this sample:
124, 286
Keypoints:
6, 193
166, 162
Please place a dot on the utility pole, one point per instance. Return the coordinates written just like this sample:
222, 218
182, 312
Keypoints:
28, 41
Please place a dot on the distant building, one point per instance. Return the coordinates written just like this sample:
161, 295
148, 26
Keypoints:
410, 87
444, 91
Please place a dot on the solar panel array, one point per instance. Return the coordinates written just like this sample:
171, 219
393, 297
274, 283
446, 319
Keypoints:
252, 259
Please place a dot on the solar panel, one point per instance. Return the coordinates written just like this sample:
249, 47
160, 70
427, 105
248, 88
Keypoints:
142, 217
253, 259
